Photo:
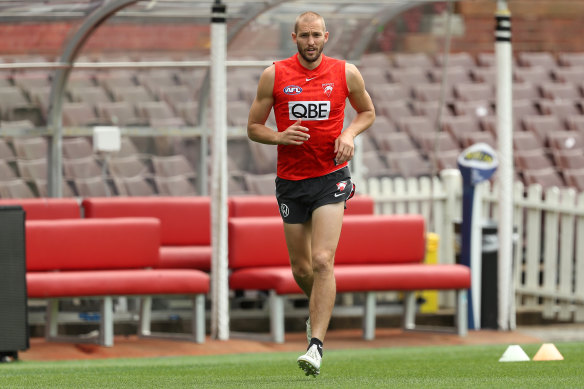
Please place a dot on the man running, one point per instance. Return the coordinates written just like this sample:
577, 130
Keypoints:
307, 92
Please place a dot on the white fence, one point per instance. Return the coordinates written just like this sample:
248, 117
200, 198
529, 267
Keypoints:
549, 244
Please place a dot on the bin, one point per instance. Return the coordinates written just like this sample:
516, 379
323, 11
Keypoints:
489, 271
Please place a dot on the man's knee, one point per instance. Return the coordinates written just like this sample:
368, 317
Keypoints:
322, 262
301, 269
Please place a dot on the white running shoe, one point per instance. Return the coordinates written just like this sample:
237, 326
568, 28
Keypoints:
308, 330
310, 362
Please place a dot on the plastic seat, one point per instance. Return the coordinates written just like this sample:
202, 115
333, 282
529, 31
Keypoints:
82, 168
547, 178
32, 169
532, 160
543, 59
525, 91
260, 184
172, 165
176, 94
179, 185
431, 92
573, 74
462, 59
408, 164
115, 79
565, 140
79, 147
487, 75
571, 58
189, 111
534, 75
430, 109
560, 108
31, 148
569, 159
375, 76
473, 92
93, 187
447, 159
130, 166
526, 141
415, 126
479, 137
574, 178
158, 112
264, 157
396, 142
16, 189
393, 110
12, 99
237, 113
131, 94
157, 80
477, 108
375, 166
7, 154
437, 141
135, 186
79, 114
408, 76
388, 92
457, 126
540, 126
6, 171
560, 91
91, 95
120, 113
410, 60
454, 75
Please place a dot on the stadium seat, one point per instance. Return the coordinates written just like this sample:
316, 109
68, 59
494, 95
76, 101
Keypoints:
80, 114
540, 126
31, 148
565, 140
16, 189
532, 160
172, 165
135, 186
437, 141
393, 110
454, 75
93, 187
388, 92
569, 159
6, 152
473, 92
120, 113
574, 178
264, 157
408, 164
130, 166
415, 126
431, 92
375, 166
457, 126
396, 142
571, 59
525, 141
132, 94
87, 167
543, 59
412, 60
408, 76
158, 112
462, 59
91, 95
78, 147
178, 185
7, 173
560, 108
487, 75
430, 109
559, 91
477, 108
547, 178
260, 184
533, 75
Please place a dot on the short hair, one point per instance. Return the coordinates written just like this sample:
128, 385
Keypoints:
308, 15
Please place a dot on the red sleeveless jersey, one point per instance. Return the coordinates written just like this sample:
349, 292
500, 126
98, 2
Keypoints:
318, 98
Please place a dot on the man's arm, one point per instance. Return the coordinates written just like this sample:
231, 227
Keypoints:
259, 112
361, 102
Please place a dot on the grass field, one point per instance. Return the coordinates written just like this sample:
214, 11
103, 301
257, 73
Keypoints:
411, 367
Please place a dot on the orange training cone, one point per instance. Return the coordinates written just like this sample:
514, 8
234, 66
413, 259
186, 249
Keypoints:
548, 352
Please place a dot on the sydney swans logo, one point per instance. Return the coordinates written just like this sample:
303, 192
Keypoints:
328, 88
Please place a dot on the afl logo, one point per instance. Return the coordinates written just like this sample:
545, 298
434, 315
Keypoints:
284, 210
292, 90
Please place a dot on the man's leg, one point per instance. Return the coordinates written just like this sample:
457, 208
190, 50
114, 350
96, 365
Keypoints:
298, 237
327, 222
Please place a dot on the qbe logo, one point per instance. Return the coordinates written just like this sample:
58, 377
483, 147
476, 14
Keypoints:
309, 110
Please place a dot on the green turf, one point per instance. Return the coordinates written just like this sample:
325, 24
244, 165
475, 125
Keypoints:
412, 367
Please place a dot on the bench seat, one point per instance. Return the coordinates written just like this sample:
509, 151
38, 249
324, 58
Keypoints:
115, 283
376, 253
356, 278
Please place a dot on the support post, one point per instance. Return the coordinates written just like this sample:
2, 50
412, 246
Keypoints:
504, 57
219, 282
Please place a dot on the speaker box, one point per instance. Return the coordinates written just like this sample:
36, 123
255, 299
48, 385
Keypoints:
14, 334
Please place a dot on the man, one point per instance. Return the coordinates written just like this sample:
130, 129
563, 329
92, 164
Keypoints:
308, 93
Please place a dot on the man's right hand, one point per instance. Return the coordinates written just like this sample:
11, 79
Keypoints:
296, 134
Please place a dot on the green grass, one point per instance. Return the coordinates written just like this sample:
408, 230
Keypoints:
412, 367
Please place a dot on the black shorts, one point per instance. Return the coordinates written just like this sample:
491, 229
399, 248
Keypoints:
298, 199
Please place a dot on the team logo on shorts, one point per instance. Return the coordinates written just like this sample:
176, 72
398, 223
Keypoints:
328, 88
341, 186
284, 210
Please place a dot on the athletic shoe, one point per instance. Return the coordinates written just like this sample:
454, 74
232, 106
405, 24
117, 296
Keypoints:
308, 330
310, 362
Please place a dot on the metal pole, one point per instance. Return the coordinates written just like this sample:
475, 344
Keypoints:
219, 282
504, 58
